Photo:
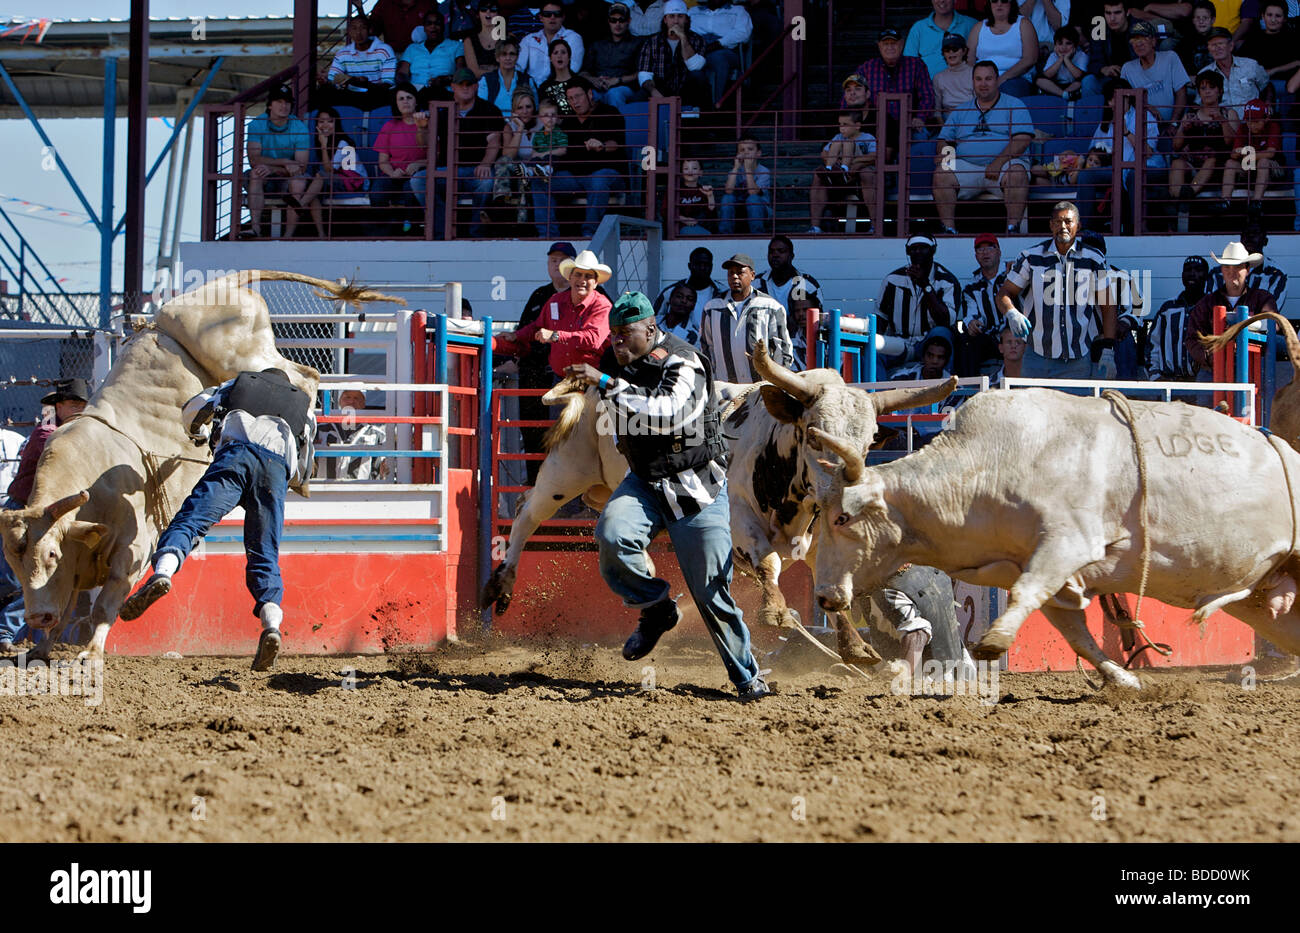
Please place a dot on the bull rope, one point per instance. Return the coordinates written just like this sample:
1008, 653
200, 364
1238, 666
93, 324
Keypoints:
152, 464
1280, 447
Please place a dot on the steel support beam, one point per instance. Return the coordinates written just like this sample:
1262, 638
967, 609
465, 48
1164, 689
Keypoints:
304, 51
136, 128
106, 236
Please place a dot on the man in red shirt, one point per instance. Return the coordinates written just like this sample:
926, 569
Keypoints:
575, 323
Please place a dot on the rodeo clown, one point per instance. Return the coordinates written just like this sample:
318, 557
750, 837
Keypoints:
660, 392
262, 421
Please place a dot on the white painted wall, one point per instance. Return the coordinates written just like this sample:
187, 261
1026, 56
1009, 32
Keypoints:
849, 269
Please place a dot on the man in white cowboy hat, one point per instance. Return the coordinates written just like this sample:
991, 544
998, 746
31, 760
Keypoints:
1234, 266
575, 323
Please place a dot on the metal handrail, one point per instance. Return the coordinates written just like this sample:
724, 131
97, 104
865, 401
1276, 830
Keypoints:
739, 82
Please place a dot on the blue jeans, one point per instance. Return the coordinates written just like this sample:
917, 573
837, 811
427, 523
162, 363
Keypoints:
12, 626
596, 187
758, 210
240, 474
702, 541
617, 97
717, 69
1040, 367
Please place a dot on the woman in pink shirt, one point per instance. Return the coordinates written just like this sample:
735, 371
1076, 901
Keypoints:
403, 151
575, 322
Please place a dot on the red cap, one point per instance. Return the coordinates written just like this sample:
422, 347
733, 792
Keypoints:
1255, 110
986, 239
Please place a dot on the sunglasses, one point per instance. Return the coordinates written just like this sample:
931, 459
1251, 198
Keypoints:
983, 125
551, 14
619, 19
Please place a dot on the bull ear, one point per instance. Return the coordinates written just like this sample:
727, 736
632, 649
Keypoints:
781, 406
884, 434
89, 534
889, 400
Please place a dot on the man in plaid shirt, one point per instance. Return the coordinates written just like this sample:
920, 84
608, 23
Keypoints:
672, 61
896, 73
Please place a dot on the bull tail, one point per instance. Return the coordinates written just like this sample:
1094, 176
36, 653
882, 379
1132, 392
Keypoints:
1213, 344
567, 422
351, 292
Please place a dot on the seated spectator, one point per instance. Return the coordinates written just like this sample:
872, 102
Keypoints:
428, 65
1007, 40
791, 288
724, 27
1092, 181
1274, 45
846, 167
952, 85
499, 87
676, 316
595, 163
278, 145
696, 204
1237, 17
1066, 165
611, 63
934, 356
395, 20
334, 168
1108, 55
917, 298
896, 73
535, 50
403, 152
1203, 143
1243, 78
362, 72
1234, 269
1265, 274
1046, 17
1258, 136
647, 17
1169, 21
1167, 359
521, 20
478, 133
980, 317
559, 79
352, 433
671, 63
1012, 350
480, 48
699, 267
1160, 74
926, 38
750, 183
1066, 67
1193, 50
990, 134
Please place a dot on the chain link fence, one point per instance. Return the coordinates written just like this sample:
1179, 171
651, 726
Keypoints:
75, 309
44, 359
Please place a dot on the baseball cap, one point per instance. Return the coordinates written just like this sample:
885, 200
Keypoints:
620, 7
629, 308
1218, 32
1141, 28
463, 76
889, 33
921, 239
952, 41
986, 239
1255, 110
562, 246
280, 92
1198, 261
854, 79
68, 390
740, 259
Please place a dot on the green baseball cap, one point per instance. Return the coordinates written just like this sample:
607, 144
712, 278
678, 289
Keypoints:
629, 308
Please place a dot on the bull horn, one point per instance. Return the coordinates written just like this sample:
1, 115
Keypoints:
888, 400
853, 461
60, 507
779, 376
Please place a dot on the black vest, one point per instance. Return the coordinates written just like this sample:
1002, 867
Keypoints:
654, 456
268, 394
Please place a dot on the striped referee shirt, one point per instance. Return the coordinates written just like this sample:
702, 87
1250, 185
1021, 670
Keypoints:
900, 306
781, 293
1061, 296
731, 329
979, 302
377, 64
1130, 303
1166, 350
674, 406
1264, 276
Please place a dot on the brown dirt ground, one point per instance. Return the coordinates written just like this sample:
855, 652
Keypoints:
560, 741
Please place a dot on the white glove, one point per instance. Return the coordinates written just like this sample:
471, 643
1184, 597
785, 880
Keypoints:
1019, 324
1106, 364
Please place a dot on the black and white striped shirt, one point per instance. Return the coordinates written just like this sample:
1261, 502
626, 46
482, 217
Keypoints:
1130, 303
979, 302
730, 330
1264, 276
1166, 352
1061, 296
900, 305
677, 402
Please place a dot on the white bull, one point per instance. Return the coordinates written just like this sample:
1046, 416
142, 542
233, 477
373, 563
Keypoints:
1039, 493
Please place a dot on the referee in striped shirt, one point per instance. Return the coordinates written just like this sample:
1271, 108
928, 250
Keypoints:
731, 326
1167, 358
1062, 285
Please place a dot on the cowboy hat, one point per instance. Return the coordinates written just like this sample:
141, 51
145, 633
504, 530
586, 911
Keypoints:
1236, 255
587, 262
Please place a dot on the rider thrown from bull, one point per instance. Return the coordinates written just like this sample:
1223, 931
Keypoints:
660, 393
261, 422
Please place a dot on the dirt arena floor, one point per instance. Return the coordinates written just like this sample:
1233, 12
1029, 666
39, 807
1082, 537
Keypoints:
508, 741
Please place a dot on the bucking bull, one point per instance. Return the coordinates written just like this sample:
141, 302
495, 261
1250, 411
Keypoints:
775, 478
111, 479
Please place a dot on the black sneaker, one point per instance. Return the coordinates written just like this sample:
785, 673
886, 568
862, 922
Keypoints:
756, 689
268, 646
154, 589
655, 620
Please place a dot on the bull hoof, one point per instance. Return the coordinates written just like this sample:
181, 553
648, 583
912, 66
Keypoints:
860, 654
498, 591
779, 617
992, 646
1118, 677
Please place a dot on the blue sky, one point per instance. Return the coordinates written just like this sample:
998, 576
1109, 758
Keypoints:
70, 245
